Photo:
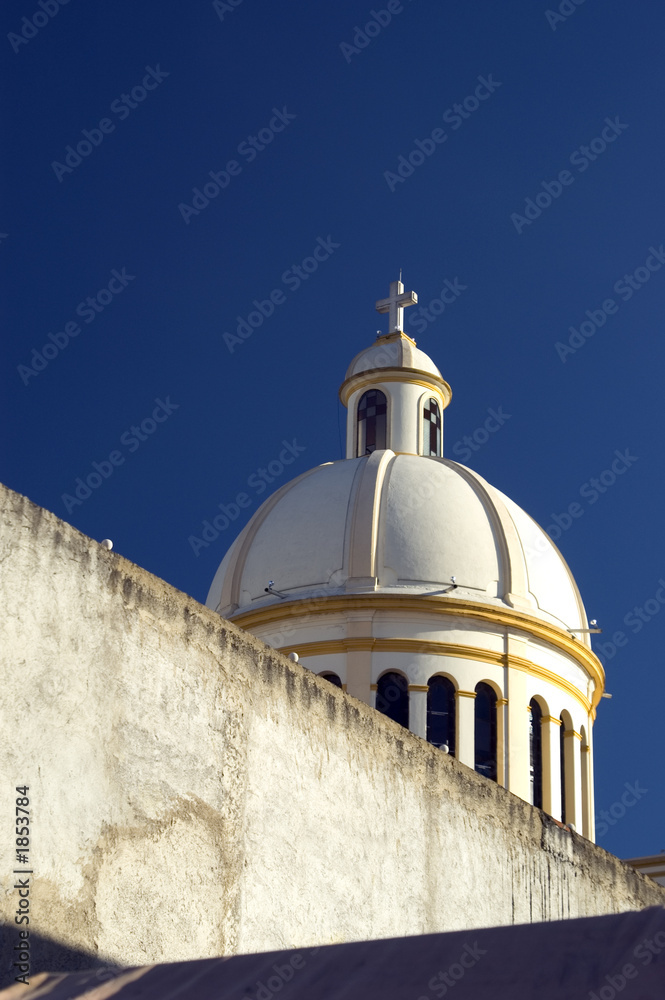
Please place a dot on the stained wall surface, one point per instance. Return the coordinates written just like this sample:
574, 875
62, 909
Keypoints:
194, 793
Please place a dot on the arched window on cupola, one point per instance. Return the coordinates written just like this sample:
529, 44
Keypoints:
431, 428
536, 753
441, 713
485, 731
335, 679
372, 412
392, 697
567, 749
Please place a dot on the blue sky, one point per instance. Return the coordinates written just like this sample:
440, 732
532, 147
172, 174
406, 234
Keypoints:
541, 198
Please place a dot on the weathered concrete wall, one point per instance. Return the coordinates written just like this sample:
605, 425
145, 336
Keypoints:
194, 793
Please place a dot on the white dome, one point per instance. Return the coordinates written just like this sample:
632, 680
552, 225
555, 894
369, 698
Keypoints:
392, 524
398, 563
396, 350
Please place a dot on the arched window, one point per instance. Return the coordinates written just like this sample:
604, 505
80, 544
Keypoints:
485, 731
536, 753
328, 675
431, 428
392, 697
441, 713
372, 410
562, 755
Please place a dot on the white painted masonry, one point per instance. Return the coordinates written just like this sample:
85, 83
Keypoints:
195, 793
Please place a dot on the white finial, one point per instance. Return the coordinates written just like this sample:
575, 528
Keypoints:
395, 305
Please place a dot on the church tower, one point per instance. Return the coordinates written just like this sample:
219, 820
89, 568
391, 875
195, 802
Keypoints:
410, 582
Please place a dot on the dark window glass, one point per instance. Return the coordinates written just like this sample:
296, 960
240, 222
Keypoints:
372, 410
441, 713
536, 753
432, 428
392, 698
485, 731
333, 678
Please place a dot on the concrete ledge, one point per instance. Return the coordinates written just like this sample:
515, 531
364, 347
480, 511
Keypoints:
195, 793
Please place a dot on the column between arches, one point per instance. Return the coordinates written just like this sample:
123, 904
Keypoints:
466, 720
418, 709
550, 728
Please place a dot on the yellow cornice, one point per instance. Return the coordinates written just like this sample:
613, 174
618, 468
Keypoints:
465, 694
327, 647
395, 335
445, 606
418, 687
519, 663
551, 718
413, 376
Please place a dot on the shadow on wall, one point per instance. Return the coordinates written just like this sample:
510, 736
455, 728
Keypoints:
46, 955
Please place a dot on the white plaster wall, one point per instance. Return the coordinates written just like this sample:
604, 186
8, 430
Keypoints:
195, 793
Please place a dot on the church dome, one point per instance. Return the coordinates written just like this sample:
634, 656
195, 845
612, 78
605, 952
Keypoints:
397, 524
395, 351
411, 583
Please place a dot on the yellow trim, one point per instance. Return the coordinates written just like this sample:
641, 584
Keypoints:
411, 376
502, 701
418, 687
649, 861
551, 718
548, 675
396, 645
476, 653
572, 732
395, 335
465, 694
374, 687
509, 618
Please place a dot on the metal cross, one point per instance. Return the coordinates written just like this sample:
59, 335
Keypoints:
395, 304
